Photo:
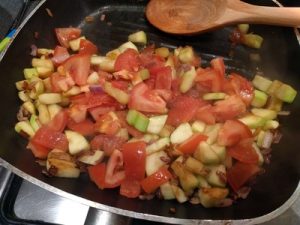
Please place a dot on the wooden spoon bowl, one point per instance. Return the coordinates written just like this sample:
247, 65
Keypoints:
196, 16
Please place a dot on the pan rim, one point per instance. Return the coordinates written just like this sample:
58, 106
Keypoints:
170, 220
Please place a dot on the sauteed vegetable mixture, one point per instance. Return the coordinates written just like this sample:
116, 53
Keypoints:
149, 121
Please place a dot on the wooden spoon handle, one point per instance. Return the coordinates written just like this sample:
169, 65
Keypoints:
284, 16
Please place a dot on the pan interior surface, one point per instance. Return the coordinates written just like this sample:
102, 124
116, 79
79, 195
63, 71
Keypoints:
279, 59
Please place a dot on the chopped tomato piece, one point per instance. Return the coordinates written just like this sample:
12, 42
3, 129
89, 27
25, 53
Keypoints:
146, 100
60, 55
108, 124
50, 138
240, 173
64, 35
60, 83
232, 132
78, 67
38, 150
97, 175
85, 127
107, 143
59, 122
190, 145
210, 79
121, 84
152, 182
134, 154
240, 86
183, 109
164, 78
229, 108
114, 175
87, 47
152, 62
218, 65
98, 111
90, 100
130, 188
78, 113
243, 151
206, 114
128, 60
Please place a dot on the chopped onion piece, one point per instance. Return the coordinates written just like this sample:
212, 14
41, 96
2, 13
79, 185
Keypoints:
283, 113
268, 139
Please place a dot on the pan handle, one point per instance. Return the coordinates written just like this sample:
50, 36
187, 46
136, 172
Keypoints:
96, 216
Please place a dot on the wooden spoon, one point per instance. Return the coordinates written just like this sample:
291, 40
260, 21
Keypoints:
196, 16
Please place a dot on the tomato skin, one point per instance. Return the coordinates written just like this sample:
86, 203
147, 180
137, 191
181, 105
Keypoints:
229, 108
218, 65
240, 173
130, 188
244, 152
241, 87
134, 155
37, 150
64, 35
78, 67
85, 127
151, 62
60, 55
152, 182
114, 177
87, 47
190, 145
59, 122
183, 109
232, 132
128, 60
50, 138
97, 175
164, 78
146, 100
206, 114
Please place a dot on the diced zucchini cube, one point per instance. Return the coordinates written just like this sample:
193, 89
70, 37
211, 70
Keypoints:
286, 93
267, 114
188, 80
181, 133
260, 99
198, 126
243, 28
253, 121
214, 96
252, 40
261, 83
156, 123
77, 142
138, 37
30, 72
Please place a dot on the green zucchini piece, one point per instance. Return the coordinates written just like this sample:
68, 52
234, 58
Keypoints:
138, 37
276, 84
163, 52
252, 40
156, 124
30, 72
261, 83
131, 116
253, 121
24, 127
267, 114
121, 96
274, 103
144, 74
286, 93
141, 122
167, 191
34, 122
213, 177
260, 99
198, 126
188, 80
214, 96
243, 28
